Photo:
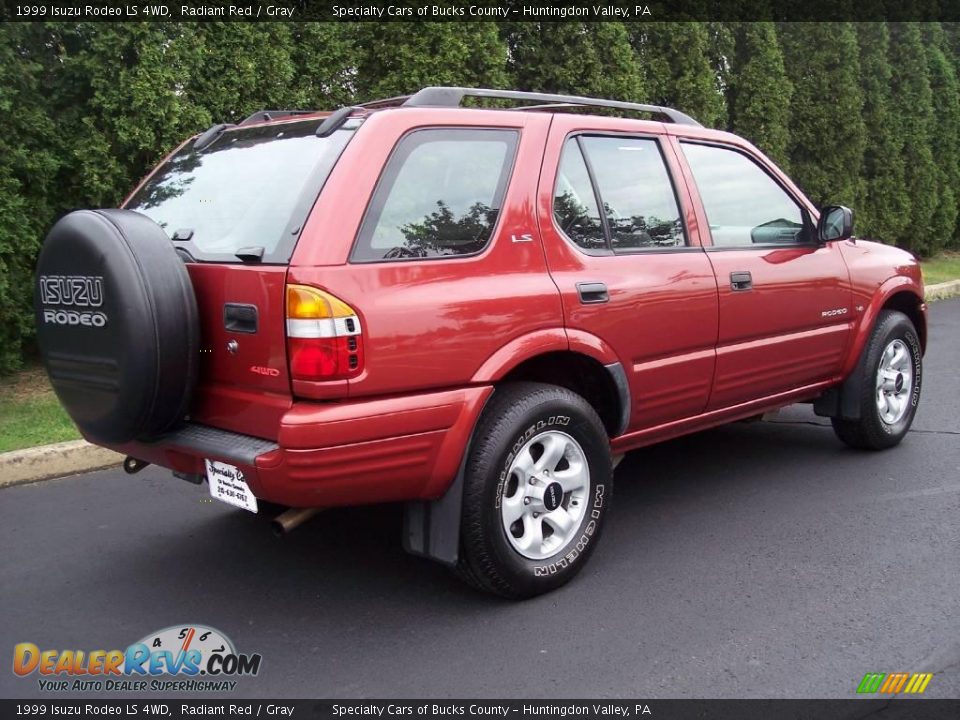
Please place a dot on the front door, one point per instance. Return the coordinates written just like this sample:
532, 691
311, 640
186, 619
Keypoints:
634, 275
785, 301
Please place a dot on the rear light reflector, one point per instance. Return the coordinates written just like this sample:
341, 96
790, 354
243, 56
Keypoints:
324, 339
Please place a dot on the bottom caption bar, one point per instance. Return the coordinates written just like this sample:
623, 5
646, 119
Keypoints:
915, 709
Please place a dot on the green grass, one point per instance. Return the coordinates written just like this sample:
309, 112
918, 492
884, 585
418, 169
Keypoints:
30, 413
943, 267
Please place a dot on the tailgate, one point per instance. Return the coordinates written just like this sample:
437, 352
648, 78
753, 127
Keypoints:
244, 383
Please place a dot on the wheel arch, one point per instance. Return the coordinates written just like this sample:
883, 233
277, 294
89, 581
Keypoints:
574, 359
911, 305
604, 386
899, 294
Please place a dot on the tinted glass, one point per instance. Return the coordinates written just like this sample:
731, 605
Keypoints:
744, 205
253, 187
574, 204
638, 199
440, 195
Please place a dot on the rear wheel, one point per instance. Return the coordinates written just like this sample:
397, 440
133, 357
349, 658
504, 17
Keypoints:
892, 371
537, 489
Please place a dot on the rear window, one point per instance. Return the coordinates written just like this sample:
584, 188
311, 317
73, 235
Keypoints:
252, 188
440, 195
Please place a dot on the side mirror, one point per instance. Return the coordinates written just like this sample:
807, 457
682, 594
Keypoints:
836, 223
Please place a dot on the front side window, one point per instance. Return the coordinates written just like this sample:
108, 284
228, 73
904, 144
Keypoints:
439, 196
744, 205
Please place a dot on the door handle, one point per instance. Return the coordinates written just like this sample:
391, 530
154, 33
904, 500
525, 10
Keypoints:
240, 318
741, 280
592, 292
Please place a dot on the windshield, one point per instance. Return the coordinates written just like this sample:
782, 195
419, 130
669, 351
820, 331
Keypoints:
251, 188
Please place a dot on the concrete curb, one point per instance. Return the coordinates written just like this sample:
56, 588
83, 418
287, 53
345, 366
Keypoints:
942, 291
78, 456
50, 461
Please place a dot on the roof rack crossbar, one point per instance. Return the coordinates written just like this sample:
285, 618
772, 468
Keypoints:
268, 115
385, 102
547, 106
453, 97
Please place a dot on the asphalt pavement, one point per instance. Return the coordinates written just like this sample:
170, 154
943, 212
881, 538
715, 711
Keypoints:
755, 560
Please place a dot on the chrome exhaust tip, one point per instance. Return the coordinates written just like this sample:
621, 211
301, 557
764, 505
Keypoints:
132, 465
291, 518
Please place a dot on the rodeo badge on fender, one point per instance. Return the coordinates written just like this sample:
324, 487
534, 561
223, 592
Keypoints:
186, 658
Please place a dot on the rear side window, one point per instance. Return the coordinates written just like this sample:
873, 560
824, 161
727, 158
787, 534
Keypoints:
252, 188
439, 196
638, 198
628, 178
574, 203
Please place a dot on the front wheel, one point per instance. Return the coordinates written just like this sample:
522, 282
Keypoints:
537, 489
892, 372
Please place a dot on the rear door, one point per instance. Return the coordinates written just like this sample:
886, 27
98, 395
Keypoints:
634, 275
785, 312
234, 210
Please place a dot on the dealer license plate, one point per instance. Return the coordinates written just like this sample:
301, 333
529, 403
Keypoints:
228, 485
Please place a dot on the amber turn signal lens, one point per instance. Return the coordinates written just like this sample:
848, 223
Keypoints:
308, 303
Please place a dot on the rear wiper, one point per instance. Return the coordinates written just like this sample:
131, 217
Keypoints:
183, 235
250, 254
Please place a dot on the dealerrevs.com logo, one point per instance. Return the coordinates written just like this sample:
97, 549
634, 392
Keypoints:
187, 658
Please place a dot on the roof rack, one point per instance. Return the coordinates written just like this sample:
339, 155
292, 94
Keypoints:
453, 97
268, 115
385, 102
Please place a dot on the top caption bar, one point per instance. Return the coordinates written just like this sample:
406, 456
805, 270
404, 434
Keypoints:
478, 11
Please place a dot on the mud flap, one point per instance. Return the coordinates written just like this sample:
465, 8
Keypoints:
431, 528
843, 401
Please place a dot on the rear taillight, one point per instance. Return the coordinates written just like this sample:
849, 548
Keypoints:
324, 339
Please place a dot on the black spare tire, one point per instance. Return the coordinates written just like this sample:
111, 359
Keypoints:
117, 324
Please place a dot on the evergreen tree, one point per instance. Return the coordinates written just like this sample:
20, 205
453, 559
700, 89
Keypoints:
827, 133
759, 92
721, 47
882, 211
235, 68
593, 59
28, 164
399, 58
676, 58
945, 135
912, 119
240, 68
119, 95
325, 57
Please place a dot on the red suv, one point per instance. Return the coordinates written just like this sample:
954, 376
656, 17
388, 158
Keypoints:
472, 310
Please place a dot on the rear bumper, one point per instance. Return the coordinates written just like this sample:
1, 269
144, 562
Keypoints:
327, 454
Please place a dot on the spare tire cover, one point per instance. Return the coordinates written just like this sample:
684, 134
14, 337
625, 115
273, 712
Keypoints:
117, 324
